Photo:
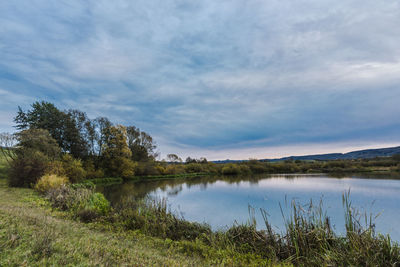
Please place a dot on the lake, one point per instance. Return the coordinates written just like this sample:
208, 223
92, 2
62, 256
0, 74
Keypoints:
223, 201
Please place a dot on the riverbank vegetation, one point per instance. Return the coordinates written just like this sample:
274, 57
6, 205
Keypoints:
68, 143
32, 234
77, 226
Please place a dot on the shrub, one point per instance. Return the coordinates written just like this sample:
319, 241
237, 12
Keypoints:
28, 168
56, 167
91, 171
98, 203
127, 168
50, 181
36, 149
193, 167
87, 215
174, 169
244, 169
73, 168
230, 169
146, 168
68, 198
82, 202
161, 170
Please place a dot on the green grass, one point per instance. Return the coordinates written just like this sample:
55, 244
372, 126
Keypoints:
307, 240
33, 234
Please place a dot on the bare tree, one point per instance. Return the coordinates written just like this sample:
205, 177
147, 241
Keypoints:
7, 145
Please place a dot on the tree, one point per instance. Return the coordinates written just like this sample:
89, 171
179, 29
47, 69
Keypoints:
35, 151
117, 155
190, 160
43, 115
102, 124
174, 158
141, 144
76, 133
203, 160
91, 136
37, 140
73, 168
62, 126
7, 144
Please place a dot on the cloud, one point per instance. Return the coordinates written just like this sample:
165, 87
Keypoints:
211, 76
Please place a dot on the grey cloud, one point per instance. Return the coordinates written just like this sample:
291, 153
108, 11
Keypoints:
212, 74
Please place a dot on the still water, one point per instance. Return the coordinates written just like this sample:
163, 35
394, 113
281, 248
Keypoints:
221, 202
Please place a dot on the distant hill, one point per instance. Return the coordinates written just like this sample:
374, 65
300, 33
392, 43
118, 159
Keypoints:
359, 154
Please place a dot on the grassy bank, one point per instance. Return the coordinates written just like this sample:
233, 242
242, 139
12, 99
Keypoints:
35, 231
33, 234
147, 234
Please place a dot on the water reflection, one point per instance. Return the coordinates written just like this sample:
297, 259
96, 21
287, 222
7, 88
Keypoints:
220, 201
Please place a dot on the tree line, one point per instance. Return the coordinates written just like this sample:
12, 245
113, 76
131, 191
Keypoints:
68, 142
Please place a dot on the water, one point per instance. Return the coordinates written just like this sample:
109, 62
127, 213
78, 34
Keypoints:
221, 202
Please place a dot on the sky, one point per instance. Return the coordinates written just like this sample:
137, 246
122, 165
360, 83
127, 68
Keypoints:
212, 78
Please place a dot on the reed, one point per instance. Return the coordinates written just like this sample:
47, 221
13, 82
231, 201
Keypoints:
307, 240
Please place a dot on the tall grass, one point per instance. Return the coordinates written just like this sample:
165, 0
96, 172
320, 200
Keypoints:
153, 217
307, 240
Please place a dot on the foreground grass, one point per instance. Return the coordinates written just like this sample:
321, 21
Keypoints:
31, 235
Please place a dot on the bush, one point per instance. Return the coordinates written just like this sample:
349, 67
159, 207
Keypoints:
127, 168
50, 181
56, 167
95, 206
87, 215
82, 202
68, 198
35, 151
174, 169
193, 167
91, 171
146, 168
73, 168
26, 170
98, 203
231, 169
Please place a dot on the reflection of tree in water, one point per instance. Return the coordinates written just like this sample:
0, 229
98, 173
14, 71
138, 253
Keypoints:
174, 191
172, 187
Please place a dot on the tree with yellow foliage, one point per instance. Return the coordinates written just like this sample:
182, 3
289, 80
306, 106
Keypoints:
116, 153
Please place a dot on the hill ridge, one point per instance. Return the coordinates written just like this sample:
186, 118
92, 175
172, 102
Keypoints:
357, 154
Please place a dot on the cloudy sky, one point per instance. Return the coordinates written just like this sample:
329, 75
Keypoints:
221, 79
